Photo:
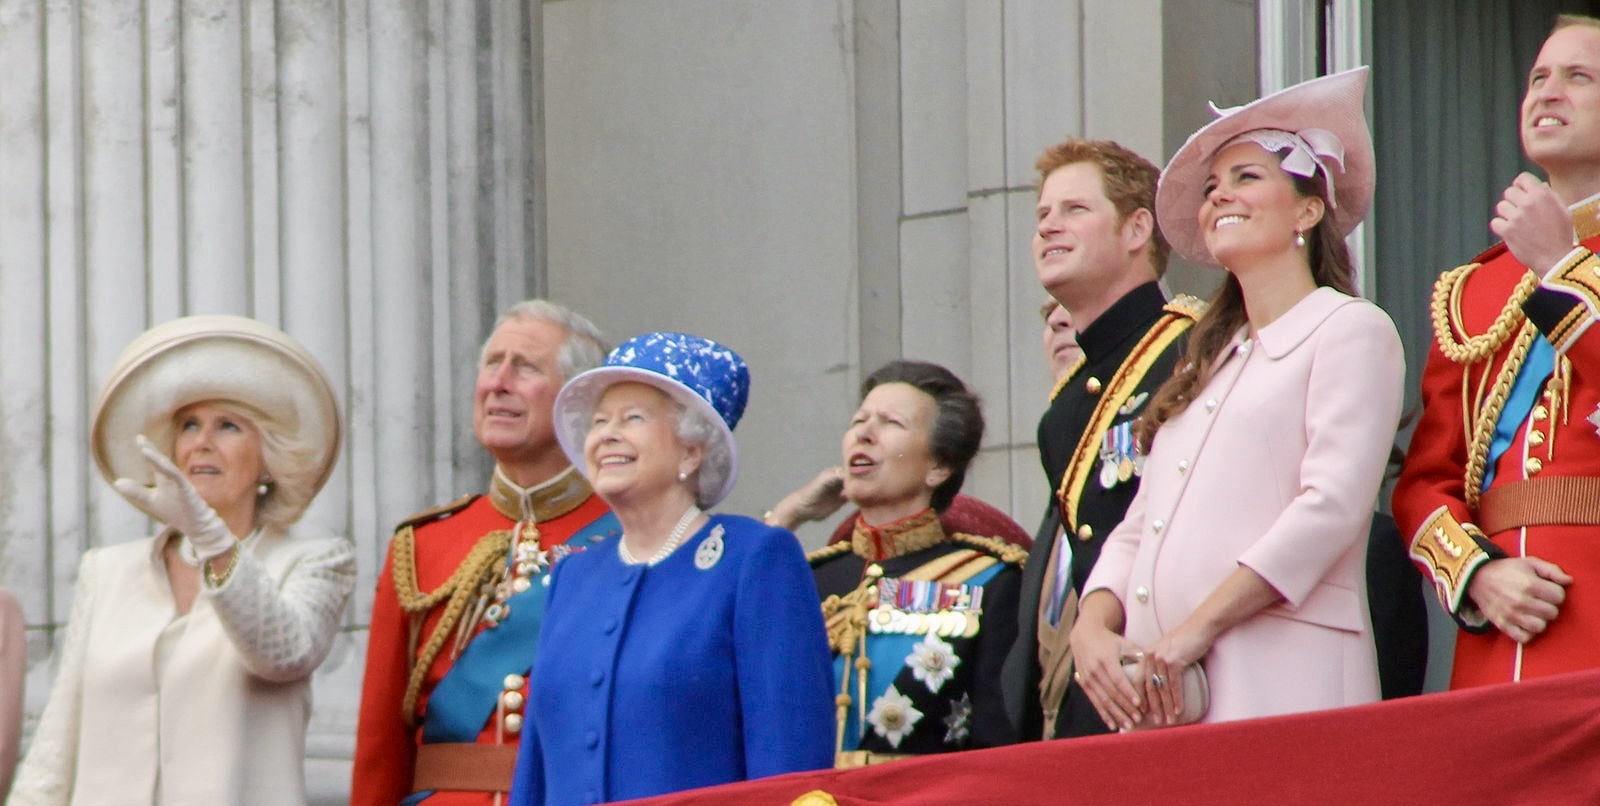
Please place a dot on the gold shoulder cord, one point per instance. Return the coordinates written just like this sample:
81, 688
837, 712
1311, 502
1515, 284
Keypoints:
829, 551
1481, 406
1066, 377
846, 619
1446, 310
479, 567
1007, 552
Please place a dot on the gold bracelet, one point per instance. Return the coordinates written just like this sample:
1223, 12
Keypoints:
216, 580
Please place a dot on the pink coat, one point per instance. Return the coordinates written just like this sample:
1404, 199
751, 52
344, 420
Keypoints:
1275, 466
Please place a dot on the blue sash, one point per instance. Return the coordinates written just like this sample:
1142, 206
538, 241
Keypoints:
461, 704
1541, 361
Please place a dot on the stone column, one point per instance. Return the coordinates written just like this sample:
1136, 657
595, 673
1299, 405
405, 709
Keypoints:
363, 174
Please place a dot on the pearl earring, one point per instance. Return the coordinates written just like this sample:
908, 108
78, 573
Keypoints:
682, 476
261, 488
1299, 239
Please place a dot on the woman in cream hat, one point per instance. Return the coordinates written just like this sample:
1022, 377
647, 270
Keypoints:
185, 673
674, 655
1244, 552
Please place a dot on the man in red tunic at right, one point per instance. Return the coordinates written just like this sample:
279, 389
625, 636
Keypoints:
1501, 491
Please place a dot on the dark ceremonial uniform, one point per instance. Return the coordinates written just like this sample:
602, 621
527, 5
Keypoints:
454, 628
1086, 447
919, 624
1505, 461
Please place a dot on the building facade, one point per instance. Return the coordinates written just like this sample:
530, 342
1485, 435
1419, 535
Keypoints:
821, 185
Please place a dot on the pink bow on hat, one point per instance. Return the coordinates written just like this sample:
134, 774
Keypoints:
1307, 150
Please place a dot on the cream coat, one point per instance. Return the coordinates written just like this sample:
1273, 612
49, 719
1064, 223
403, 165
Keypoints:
1275, 466
225, 720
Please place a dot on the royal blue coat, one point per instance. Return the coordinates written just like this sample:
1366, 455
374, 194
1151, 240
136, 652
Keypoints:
710, 667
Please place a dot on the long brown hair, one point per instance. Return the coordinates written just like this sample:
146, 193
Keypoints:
1330, 266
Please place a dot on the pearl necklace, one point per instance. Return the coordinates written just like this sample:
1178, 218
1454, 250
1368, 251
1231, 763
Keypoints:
679, 532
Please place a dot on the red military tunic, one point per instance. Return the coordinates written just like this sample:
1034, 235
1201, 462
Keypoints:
441, 541
1543, 499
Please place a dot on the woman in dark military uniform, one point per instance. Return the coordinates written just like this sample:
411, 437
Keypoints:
919, 621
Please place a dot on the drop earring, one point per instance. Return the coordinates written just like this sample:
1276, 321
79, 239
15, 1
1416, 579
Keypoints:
1299, 239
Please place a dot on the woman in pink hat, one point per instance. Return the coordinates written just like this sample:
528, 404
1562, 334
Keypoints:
185, 676
1241, 561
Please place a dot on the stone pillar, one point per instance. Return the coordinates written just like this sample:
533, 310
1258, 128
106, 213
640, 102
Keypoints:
362, 174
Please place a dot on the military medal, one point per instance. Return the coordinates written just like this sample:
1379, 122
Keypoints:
881, 618
1117, 455
1108, 472
1133, 404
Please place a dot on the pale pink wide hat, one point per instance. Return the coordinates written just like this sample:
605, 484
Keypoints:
1326, 114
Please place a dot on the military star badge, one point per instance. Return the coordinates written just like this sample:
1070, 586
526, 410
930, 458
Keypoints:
1595, 418
893, 716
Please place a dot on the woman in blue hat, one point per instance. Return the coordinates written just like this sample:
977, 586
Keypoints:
672, 656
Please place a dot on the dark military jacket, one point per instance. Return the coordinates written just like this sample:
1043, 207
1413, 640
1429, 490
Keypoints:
1129, 351
931, 686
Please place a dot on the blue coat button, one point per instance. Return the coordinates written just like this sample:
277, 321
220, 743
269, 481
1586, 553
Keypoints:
611, 626
591, 739
597, 677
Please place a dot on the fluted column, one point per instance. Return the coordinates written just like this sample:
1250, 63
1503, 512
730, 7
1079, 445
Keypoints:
361, 173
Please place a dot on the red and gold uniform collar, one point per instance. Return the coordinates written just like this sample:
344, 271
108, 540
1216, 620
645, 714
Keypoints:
908, 535
552, 499
1586, 218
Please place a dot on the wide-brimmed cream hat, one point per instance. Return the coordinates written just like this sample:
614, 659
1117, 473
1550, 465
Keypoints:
220, 358
1327, 113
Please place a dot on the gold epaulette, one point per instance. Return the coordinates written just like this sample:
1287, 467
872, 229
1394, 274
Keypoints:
1578, 275
1187, 305
828, 552
438, 512
1009, 553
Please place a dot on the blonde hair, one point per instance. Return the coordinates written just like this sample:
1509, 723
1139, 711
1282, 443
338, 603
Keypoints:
290, 461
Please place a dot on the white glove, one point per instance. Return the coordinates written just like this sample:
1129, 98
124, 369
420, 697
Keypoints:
175, 502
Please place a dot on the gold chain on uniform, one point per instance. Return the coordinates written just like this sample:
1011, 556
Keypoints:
1480, 419
1446, 307
482, 566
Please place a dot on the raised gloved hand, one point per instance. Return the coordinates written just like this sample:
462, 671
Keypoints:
175, 502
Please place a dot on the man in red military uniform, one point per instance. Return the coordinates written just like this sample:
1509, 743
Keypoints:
1501, 492
456, 615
